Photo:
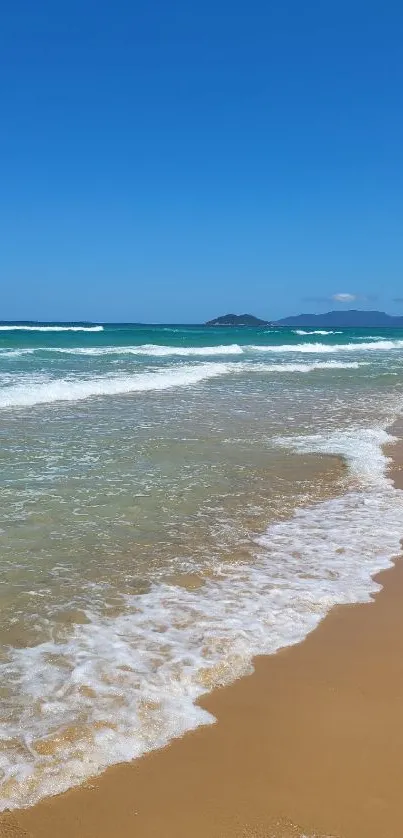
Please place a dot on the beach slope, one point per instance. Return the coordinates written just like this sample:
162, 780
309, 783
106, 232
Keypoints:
311, 744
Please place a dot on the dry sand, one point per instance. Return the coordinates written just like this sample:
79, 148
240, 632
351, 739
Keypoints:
310, 744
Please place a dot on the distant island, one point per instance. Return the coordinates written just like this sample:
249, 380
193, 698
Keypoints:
353, 319
237, 320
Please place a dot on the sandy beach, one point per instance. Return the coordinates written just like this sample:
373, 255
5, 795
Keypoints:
310, 744
201, 425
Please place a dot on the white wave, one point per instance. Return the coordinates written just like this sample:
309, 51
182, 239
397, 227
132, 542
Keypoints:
316, 332
31, 390
301, 367
15, 353
154, 349
151, 349
22, 328
360, 447
126, 685
367, 337
157, 351
383, 345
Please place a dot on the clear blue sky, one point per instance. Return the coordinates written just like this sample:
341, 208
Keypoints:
171, 161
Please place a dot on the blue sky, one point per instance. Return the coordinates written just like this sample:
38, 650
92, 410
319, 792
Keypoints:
173, 161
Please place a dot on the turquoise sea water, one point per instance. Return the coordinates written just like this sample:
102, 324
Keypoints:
175, 499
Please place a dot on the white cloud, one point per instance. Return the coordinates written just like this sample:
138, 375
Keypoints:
344, 298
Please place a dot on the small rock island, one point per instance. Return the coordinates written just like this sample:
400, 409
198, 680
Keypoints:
237, 320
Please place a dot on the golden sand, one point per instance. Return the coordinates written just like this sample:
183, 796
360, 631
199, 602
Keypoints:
310, 744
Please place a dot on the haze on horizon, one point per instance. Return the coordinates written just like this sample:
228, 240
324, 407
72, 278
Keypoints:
171, 164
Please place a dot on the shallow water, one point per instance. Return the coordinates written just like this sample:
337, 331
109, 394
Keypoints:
175, 500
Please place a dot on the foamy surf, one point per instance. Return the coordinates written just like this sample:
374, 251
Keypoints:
41, 392
151, 350
375, 346
221, 350
102, 502
36, 390
115, 688
316, 332
47, 328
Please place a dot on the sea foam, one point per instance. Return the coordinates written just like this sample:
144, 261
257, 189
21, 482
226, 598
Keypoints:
383, 345
316, 332
22, 328
117, 687
32, 390
234, 349
150, 349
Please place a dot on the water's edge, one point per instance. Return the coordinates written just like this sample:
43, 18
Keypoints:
369, 590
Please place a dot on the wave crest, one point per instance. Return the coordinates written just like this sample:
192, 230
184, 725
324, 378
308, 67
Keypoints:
21, 328
35, 390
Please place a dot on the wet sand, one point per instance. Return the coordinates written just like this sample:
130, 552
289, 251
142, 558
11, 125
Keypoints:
310, 744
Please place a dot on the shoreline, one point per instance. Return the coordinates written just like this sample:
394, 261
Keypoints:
308, 745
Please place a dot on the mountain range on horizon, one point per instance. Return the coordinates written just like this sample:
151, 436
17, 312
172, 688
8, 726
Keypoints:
353, 318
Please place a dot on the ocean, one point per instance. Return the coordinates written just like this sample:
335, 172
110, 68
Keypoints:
175, 500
